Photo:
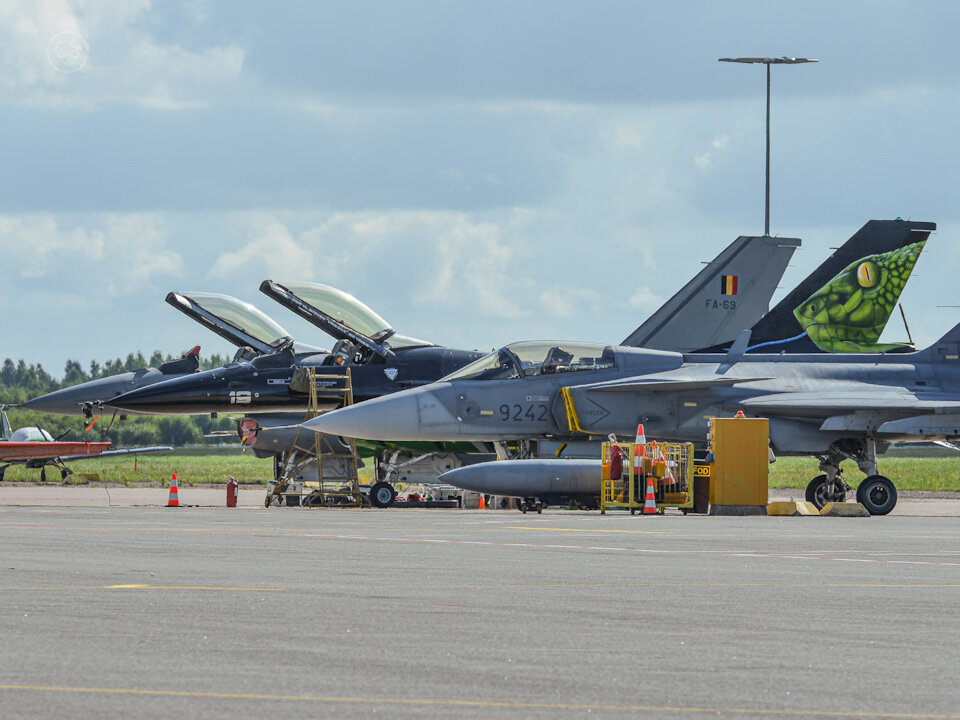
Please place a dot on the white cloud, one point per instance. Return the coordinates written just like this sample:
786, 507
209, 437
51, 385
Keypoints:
271, 253
643, 298
436, 256
124, 64
704, 160
120, 256
571, 302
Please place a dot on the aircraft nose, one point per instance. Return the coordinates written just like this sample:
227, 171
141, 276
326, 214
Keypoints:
157, 397
417, 414
63, 402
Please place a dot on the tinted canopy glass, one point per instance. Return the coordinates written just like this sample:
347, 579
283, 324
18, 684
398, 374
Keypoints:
545, 357
242, 316
341, 306
537, 358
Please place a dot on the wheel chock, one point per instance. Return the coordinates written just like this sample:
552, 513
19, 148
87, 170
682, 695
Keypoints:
791, 508
844, 509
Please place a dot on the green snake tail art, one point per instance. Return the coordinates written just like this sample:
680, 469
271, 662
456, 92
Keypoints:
849, 312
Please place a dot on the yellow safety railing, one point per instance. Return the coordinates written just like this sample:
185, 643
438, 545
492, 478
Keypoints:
669, 465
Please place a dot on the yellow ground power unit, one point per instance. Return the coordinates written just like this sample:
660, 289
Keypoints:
740, 448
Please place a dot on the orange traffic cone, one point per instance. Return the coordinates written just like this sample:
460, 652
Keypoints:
481, 505
174, 500
650, 502
639, 451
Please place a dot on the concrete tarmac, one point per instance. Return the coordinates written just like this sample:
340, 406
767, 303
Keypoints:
290, 612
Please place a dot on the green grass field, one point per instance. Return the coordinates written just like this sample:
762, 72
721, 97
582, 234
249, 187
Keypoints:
932, 469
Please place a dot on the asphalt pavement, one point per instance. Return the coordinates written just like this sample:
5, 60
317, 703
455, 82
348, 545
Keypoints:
216, 612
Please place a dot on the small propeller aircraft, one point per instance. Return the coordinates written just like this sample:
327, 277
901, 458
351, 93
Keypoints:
34, 447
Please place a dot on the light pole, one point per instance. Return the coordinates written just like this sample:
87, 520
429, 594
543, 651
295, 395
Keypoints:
768, 62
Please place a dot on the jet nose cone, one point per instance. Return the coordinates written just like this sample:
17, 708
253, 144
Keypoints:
69, 401
168, 395
415, 414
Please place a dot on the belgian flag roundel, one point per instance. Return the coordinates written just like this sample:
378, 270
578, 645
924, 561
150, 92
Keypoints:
728, 284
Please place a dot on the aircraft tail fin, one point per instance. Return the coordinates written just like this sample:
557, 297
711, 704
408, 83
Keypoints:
946, 349
7, 430
731, 293
844, 305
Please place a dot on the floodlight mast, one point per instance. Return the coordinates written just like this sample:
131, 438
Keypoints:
768, 62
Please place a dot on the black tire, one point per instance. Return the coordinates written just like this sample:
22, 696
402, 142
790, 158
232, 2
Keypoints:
877, 494
64, 473
539, 508
817, 493
382, 495
43, 474
813, 487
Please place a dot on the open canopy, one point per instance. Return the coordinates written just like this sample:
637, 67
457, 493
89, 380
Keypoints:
339, 314
235, 320
524, 359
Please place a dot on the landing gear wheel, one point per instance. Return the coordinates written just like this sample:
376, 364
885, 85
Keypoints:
819, 492
64, 473
382, 495
43, 474
539, 508
877, 494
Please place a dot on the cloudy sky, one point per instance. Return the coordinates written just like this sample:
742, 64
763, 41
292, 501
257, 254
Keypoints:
477, 172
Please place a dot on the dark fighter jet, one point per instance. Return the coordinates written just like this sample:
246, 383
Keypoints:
380, 362
239, 322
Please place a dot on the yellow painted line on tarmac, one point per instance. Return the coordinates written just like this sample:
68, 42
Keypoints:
228, 588
436, 702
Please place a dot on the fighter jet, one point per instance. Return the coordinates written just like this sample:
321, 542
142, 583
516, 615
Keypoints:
380, 361
90, 397
239, 322
834, 406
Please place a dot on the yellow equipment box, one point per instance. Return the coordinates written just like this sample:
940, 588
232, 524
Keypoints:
741, 452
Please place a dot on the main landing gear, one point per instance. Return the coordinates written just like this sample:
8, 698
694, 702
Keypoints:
531, 504
876, 493
382, 495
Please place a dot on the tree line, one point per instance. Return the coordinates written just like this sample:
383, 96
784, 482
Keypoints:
20, 381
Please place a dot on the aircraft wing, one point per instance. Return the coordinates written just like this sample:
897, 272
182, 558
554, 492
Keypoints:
820, 403
651, 383
119, 453
18, 451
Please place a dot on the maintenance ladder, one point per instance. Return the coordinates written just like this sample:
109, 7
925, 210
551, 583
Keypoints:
337, 472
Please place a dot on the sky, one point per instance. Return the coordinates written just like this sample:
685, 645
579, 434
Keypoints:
476, 172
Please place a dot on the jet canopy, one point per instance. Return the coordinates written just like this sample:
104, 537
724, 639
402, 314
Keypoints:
524, 359
339, 314
234, 320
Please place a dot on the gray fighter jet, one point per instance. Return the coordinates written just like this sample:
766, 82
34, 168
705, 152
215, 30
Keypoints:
834, 406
